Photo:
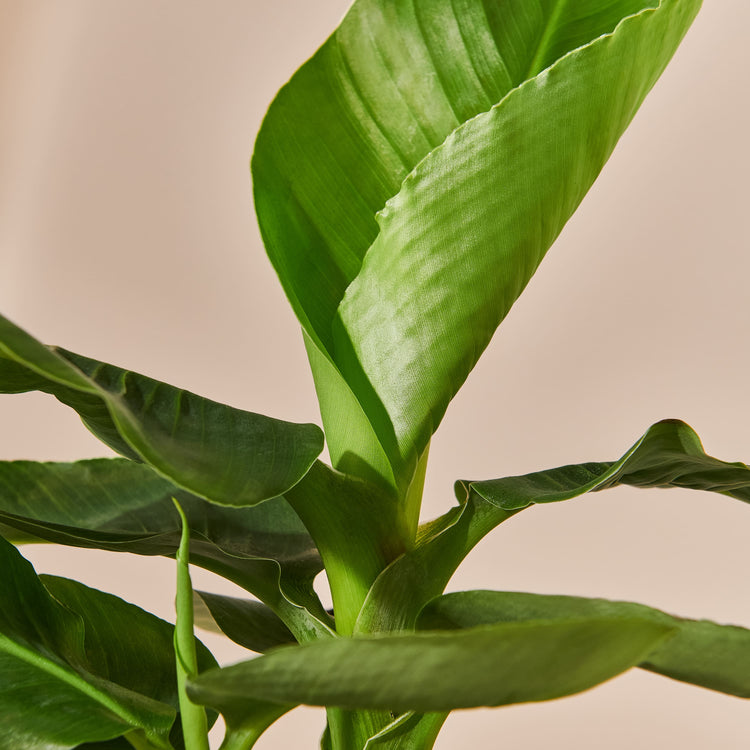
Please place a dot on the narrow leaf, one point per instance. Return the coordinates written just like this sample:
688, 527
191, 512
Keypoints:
700, 652
192, 717
226, 455
431, 672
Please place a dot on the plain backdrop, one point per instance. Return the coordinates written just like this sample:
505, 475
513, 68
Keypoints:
127, 234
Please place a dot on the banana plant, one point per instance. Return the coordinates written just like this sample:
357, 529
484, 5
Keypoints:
408, 181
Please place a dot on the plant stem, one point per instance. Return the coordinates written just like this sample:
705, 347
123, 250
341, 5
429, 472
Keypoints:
192, 716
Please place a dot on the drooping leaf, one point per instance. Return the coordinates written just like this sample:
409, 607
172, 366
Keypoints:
420, 135
430, 672
223, 454
43, 652
119, 505
249, 623
700, 652
670, 454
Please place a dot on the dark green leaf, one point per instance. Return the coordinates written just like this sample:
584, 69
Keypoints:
421, 134
429, 672
144, 660
119, 505
700, 652
226, 455
45, 660
670, 454
249, 623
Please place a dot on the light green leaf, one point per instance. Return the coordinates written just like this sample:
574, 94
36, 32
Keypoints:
44, 652
421, 134
358, 530
225, 455
430, 672
249, 623
701, 652
192, 717
119, 505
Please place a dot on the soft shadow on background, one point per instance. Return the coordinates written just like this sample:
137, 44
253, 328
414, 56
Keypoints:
127, 234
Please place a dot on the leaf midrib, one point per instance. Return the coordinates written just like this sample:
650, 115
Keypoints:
66, 675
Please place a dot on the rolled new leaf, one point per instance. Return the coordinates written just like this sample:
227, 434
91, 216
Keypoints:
43, 653
225, 455
411, 176
120, 505
700, 652
429, 672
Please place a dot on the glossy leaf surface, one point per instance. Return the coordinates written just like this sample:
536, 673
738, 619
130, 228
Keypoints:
700, 652
484, 666
421, 134
670, 454
49, 653
120, 505
223, 454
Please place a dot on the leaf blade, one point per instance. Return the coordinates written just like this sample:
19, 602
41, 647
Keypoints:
225, 455
700, 652
494, 665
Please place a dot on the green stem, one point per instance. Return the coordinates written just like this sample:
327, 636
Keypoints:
192, 716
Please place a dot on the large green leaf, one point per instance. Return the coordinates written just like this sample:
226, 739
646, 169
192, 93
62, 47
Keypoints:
669, 454
144, 660
51, 657
484, 666
119, 505
226, 455
701, 652
411, 176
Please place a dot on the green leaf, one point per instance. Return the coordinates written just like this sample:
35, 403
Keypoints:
670, 454
426, 672
249, 623
700, 652
144, 661
43, 652
226, 455
119, 505
422, 134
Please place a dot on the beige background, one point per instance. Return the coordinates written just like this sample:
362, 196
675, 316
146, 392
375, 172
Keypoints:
127, 233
